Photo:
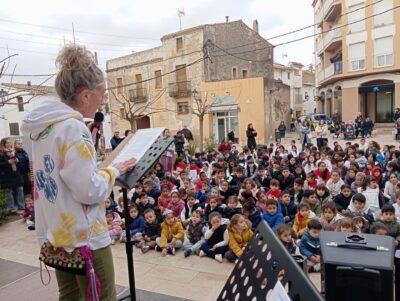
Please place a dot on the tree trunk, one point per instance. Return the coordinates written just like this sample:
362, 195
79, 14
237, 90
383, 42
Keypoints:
133, 124
201, 124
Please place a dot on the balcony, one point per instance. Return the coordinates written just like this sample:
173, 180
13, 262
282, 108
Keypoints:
333, 39
338, 67
332, 9
329, 71
180, 89
320, 76
318, 15
357, 64
138, 95
383, 60
319, 46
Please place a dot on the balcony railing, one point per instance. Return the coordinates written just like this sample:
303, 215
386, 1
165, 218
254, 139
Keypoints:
329, 71
319, 15
357, 64
338, 67
332, 35
320, 76
180, 89
383, 60
138, 95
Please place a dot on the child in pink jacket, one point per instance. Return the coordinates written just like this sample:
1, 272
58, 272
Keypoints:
114, 225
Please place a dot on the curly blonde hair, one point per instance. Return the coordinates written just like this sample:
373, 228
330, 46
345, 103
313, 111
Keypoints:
77, 69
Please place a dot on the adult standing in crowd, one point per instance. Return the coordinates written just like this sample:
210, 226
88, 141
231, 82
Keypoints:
179, 141
70, 188
282, 130
305, 134
396, 114
166, 159
187, 133
251, 134
231, 136
115, 140
10, 178
359, 124
23, 165
322, 133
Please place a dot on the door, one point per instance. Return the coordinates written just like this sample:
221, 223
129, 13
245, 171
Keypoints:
384, 106
221, 129
181, 78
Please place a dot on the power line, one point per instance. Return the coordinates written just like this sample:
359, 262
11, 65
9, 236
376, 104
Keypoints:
300, 29
299, 39
80, 31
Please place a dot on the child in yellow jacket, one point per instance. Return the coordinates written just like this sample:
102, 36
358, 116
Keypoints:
172, 234
301, 219
239, 236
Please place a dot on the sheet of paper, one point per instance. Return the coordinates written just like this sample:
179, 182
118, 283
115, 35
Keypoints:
138, 145
278, 293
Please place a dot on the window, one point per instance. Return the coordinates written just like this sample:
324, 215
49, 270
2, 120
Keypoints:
234, 73
183, 107
122, 112
357, 56
179, 44
288, 75
244, 73
356, 13
383, 51
383, 18
157, 75
120, 89
20, 104
14, 129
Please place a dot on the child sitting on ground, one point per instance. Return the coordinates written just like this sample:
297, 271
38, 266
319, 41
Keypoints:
329, 218
388, 218
152, 230
379, 228
195, 231
217, 238
284, 233
28, 215
310, 247
172, 234
273, 217
288, 208
202, 194
165, 198
114, 225
213, 206
310, 198
239, 236
251, 212
233, 207
301, 219
343, 199
360, 224
261, 201
137, 224
344, 225
334, 184
176, 205
358, 207
274, 192
143, 203
190, 206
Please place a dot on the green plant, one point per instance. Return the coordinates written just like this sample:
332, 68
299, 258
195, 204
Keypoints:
210, 144
192, 147
3, 205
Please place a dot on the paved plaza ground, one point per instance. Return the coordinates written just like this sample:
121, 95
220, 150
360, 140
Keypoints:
190, 278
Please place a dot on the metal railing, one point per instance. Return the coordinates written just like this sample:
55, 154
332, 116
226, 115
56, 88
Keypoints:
180, 89
357, 64
383, 60
138, 95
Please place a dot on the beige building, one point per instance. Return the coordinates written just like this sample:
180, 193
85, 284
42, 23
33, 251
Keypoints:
357, 63
180, 74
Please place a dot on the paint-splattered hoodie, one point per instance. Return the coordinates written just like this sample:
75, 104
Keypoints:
70, 189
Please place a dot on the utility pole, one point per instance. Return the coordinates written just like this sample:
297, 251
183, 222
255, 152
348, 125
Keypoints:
181, 13
73, 31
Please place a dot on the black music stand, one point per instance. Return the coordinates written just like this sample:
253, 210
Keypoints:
264, 262
128, 181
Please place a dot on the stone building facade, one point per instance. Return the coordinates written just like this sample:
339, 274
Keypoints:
178, 68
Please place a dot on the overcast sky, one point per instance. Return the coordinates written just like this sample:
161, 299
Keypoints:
137, 25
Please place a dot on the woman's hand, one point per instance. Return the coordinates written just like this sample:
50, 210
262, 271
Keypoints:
123, 167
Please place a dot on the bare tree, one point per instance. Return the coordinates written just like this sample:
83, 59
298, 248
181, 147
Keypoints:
201, 107
132, 111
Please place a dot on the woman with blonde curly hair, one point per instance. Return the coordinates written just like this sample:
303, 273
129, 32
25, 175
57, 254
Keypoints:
69, 187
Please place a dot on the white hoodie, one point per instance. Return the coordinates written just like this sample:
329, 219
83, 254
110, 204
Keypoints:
69, 190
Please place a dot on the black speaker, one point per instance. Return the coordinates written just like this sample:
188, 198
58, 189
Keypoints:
357, 267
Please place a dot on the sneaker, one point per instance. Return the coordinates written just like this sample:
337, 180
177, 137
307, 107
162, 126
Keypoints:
187, 253
218, 258
169, 250
172, 251
201, 253
144, 249
157, 248
31, 227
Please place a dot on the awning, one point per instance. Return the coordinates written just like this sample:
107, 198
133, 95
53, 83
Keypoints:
376, 88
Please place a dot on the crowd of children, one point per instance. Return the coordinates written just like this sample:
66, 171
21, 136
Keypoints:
210, 204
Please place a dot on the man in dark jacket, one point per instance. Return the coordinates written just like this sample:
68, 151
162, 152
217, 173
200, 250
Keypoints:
187, 133
23, 166
115, 140
179, 141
